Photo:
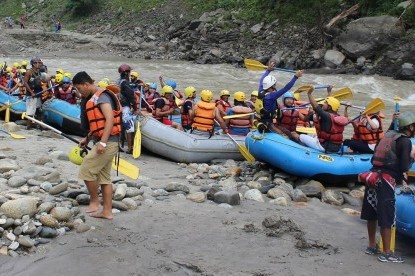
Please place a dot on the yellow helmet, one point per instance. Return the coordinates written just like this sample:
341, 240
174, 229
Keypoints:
254, 93
239, 96
103, 83
333, 102
206, 95
188, 91
24, 63
76, 155
59, 78
16, 64
135, 74
60, 71
224, 93
9, 69
22, 70
166, 89
67, 74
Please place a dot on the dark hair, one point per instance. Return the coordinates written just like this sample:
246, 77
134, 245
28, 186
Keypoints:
82, 77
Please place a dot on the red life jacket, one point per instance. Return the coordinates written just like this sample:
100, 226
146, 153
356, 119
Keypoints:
302, 111
362, 133
334, 135
289, 118
223, 105
97, 120
204, 117
166, 107
241, 122
67, 95
186, 120
385, 153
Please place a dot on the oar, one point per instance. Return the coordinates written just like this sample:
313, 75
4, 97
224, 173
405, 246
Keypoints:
353, 106
242, 149
255, 65
237, 115
137, 136
118, 164
341, 94
395, 122
306, 87
374, 106
307, 130
15, 136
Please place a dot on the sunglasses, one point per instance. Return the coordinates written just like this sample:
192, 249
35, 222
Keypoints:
66, 82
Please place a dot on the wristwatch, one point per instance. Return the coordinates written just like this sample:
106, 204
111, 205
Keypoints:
103, 144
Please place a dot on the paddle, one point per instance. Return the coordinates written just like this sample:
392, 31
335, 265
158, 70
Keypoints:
395, 122
118, 164
15, 136
341, 94
374, 106
306, 87
307, 130
242, 149
137, 136
255, 65
237, 115
353, 106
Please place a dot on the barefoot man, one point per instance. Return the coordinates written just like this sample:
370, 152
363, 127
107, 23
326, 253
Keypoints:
101, 116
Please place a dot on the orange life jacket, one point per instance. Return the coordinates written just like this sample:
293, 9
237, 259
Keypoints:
165, 108
241, 122
185, 117
362, 133
289, 118
97, 120
204, 117
302, 111
223, 106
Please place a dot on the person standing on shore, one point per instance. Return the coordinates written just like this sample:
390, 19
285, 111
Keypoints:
391, 160
23, 21
101, 116
33, 85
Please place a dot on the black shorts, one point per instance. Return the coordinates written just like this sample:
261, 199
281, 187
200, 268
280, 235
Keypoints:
358, 146
384, 209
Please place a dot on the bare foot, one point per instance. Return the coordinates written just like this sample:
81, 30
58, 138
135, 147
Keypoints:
92, 208
101, 215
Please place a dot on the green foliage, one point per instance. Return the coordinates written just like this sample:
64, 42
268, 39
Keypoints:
409, 16
11, 8
82, 7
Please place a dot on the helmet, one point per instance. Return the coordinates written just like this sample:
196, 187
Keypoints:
206, 95
103, 83
188, 91
9, 69
35, 60
59, 78
76, 155
333, 102
254, 93
60, 71
288, 94
66, 79
166, 89
43, 68
135, 74
67, 74
239, 96
22, 70
406, 119
172, 83
123, 68
153, 85
224, 93
24, 63
43, 76
268, 82
16, 64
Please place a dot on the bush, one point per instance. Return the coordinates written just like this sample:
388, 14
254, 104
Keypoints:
80, 8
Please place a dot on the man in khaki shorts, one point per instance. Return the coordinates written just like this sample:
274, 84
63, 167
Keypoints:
101, 116
33, 85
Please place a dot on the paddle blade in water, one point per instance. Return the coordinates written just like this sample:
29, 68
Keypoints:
125, 168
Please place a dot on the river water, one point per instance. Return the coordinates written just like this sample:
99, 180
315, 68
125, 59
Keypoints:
225, 76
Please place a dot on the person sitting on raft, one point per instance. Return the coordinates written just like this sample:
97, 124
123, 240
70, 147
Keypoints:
251, 102
67, 92
328, 123
266, 104
205, 113
187, 107
223, 103
240, 125
150, 97
368, 131
164, 106
289, 116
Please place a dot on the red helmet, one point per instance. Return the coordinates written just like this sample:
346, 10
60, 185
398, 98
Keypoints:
123, 68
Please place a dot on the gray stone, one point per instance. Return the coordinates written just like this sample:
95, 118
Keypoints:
211, 193
45, 207
298, 196
130, 203
58, 188
333, 197
333, 58
16, 181
82, 227
256, 28
48, 232
49, 220
75, 193
39, 173
312, 188
83, 199
120, 191
17, 231
8, 164
254, 194
160, 192
119, 205
276, 193
29, 228
43, 160
14, 245
197, 197
33, 182
229, 185
132, 192
351, 200
171, 187
26, 241
61, 213
46, 186
229, 197
19, 207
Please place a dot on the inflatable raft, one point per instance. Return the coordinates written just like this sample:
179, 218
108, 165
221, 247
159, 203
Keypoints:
184, 147
63, 115
405, 214
17, 106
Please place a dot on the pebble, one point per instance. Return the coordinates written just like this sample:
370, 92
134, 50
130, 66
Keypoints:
14, 245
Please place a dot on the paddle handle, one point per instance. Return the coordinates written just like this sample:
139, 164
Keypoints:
321, 86
395, 122
354, 106
284, 70
297, 107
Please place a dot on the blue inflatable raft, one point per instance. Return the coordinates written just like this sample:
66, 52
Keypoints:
63, 115
405, 214
17, 106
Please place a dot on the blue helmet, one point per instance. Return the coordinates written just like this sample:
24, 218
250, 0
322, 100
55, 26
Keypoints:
288, 94
171, 83
66, 79
153, 85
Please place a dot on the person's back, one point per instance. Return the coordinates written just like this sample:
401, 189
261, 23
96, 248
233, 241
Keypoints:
240, 125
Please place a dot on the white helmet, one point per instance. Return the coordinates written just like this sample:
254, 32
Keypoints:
268, 82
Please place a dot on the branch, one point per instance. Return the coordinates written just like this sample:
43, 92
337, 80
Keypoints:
342, 15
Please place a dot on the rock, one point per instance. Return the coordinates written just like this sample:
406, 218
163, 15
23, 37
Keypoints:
171, 187
19, 207
159, 192
357, 194
39, 173
130, 203
49, 220
119, 205
211, 193
254, 185
61, 213
29, 228
58, 188
282, 201
83, 199
132, 192
18, 230
46, 186
312, 188
256, 28
14, 245
254, 194
229, 185
265, 189
231, 198
333, 197
406, 72
45, 207
48, 232
120, 191
197, 197
298, 196
26, 241
351, 212
4, 250
82, 227
10, 236
333, 58
277, 192
351, 200
43, 160
8, 164
16, 181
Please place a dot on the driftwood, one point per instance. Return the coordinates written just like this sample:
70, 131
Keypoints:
342, 15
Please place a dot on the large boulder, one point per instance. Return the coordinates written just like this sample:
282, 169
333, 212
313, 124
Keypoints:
366, 36
39, 173
17, 208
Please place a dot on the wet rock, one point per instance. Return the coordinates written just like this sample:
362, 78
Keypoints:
254, 194
16, 181
171, 187
231, 198
48, 232
120, 191
197, 197
49, 220
19, 207
58, 188
333, 197
61, 213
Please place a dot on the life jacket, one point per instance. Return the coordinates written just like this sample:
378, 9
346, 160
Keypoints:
385, 153
35, 81
47, 94
185, 115
137, 98
95, 117
166, 107
241, 122
288, 118
304, 111
151, 99
204, 117
67, 95
222, 105
362, 133
250, 104
260, 110
3, 81
334, 135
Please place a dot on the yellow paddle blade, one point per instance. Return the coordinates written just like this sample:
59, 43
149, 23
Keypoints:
245, 153
411, 173
15, 136
237, 115
302, 88
125, 168
254, 65
343, 94
137, 142
374, 106
7, 116
306, 130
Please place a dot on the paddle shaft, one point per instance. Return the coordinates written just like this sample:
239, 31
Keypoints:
395, 121
354, 106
